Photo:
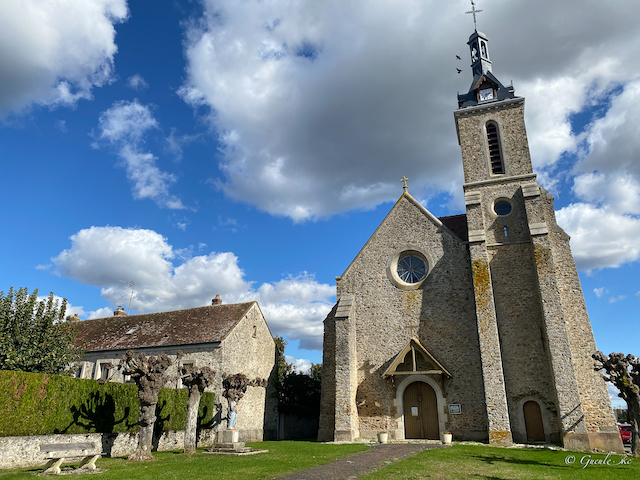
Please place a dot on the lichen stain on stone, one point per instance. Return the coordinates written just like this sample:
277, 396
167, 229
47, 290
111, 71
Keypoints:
482, 285
412, 299
500, 437
541, 255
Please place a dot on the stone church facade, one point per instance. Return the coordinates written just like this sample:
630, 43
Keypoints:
476, 323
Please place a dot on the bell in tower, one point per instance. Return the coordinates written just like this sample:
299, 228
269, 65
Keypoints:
480, 62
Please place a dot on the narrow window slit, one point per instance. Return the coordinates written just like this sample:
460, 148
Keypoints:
497, 166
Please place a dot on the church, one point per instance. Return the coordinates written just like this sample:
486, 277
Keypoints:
476, 323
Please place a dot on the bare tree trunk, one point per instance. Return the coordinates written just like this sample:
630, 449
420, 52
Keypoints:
633, 405
147, 420
190, 431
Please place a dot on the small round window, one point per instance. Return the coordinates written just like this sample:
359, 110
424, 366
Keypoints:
502, 207
411, 269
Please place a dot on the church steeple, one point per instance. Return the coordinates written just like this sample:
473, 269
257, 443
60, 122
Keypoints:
478, 46
485, 87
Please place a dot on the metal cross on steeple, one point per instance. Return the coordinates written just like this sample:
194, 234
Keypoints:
473, 11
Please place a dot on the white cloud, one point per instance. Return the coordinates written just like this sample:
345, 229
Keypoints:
126, 122
616, 401
62, 126
605, 225
617, 299
600, 237
321, 107
600, 291
44, 267
620, 192
137, 82
124, 126
73, 310
165, 279
300, 365
100, 313
54, 53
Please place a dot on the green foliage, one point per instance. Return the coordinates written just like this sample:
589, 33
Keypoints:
33, 334
283, 368
300, 394
37, 404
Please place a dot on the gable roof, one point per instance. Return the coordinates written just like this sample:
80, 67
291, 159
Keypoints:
180, 327
435, 220
458, 225
416, 348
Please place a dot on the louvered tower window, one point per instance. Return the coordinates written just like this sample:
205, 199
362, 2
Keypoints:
497, 166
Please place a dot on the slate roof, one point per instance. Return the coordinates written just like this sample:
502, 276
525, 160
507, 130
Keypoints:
458, 225
469, 99
180, 327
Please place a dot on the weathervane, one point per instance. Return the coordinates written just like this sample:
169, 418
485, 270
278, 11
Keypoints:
404, 180
473, 11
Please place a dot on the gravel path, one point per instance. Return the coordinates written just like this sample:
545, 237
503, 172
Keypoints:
359, 464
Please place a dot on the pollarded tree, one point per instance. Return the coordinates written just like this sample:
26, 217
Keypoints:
235, 386
149, 375
33, 334
196, 379
624, 372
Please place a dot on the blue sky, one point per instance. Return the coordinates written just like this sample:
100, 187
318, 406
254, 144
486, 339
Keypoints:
250, 148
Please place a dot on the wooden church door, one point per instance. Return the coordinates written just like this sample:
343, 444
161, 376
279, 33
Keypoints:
420, 411
533, 422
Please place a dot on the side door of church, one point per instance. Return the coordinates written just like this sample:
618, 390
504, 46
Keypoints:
420, 411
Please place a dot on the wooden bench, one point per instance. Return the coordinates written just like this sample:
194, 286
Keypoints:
59, 452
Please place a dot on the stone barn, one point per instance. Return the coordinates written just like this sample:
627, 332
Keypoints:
231, 339
475, 323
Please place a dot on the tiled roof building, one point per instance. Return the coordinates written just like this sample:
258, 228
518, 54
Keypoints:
231, 339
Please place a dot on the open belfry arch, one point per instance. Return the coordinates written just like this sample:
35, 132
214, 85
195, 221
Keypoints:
473, 323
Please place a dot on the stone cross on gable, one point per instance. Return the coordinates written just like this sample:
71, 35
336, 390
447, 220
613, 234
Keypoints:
473, 11
404, 181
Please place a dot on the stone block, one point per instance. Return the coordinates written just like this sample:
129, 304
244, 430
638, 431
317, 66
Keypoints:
229, 436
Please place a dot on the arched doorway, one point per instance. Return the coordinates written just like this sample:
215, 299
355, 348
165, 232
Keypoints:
533, 421
420, 411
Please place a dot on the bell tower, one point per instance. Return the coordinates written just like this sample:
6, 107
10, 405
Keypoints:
527, 320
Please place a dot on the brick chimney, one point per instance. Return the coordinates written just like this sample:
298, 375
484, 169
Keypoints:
119, 312
216, 301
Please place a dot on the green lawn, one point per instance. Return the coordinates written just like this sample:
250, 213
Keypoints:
458, 461
484, 462
283, 457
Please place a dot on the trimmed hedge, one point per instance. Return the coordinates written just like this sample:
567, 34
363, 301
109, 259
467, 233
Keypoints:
40, 404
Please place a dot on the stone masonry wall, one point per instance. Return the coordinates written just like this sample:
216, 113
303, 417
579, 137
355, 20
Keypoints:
328, 392
255, 356
595, 399
525, 359
442, 313
513, 139
21, 452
